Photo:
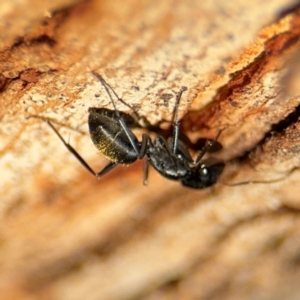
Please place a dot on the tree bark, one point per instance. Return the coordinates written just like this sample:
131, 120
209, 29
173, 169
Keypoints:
65, 234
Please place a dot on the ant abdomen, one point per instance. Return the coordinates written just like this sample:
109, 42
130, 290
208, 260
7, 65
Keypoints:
110, 138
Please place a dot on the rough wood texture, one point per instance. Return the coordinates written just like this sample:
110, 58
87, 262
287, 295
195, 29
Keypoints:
66, 235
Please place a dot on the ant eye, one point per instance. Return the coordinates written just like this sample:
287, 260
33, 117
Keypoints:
204, 170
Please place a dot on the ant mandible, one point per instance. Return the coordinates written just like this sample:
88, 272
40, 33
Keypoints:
111, 134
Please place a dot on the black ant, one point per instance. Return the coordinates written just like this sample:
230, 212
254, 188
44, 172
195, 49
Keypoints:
111, 134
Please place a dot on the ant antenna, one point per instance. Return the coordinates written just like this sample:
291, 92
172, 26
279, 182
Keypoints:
260, 181
210, 146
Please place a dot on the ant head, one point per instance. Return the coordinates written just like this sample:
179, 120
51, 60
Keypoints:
204, 174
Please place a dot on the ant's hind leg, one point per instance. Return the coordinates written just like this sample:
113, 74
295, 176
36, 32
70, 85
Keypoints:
105, 170
72, 150
108, 88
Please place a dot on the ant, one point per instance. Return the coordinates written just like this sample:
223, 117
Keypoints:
111, 133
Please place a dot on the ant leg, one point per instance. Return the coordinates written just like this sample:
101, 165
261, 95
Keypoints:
131, 139
108, 88
46, 119
134, 113
106, 169
142, 153
143, 146
124, 126
72, 150
146, 172
175, 120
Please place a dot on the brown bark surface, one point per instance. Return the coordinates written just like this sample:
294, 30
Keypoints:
66, 235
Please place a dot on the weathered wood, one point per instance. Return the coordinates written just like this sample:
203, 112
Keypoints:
67, 235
